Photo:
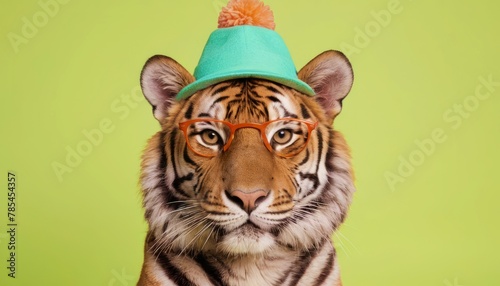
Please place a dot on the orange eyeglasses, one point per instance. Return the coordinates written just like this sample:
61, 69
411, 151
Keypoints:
285, 137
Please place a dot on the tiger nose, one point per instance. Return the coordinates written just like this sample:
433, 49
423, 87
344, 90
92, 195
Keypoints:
248, 200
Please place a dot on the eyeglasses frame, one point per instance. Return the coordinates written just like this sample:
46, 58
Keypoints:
183, 126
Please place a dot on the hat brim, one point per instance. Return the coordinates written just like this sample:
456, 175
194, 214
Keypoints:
205, 82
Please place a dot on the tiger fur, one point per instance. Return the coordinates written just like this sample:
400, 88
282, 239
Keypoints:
198, 234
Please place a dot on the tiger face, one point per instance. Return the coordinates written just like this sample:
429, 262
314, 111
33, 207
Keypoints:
245, 166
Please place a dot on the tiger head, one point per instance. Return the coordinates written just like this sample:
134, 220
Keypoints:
245, 166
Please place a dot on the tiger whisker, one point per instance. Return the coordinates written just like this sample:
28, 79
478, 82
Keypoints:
197, 235
342, 245
209, 235
182, 209
183, 201
171, 237
348, 240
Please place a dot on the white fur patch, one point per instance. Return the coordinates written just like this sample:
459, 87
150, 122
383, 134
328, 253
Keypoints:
246, 239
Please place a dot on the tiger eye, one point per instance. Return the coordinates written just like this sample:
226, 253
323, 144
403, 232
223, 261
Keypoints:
283, 136
210, 137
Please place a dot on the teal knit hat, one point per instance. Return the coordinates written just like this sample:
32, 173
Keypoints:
244, 51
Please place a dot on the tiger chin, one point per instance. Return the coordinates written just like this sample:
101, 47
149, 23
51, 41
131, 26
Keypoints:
246, 214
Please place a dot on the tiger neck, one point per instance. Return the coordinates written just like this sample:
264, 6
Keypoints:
281, 255
278, 266
262, 268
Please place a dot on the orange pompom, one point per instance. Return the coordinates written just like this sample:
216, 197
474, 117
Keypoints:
246, 12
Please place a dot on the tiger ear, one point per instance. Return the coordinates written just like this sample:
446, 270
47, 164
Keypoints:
161, 79
330, 75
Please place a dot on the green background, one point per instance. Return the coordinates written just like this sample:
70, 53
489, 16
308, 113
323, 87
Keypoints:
421, 215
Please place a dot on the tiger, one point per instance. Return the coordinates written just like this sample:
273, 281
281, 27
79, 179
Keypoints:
260, 210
